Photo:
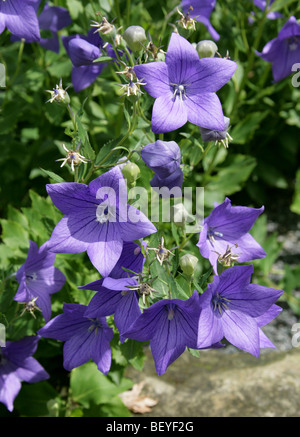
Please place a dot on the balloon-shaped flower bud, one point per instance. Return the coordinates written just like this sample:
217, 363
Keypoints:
206, 49
135, 37
163, 157
222, 137
188, 263
131, 172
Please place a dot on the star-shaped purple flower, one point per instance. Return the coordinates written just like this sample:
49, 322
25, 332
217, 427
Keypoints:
39, 279
233, 308
201, 12
114, 297
83, 50
97, 219
284, 51
226, 231
85, 338
17, 365
171, 325
184, 87
19, 16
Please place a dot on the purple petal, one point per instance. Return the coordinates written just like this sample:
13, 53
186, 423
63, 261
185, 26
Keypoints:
233, 280
20, 19
269, 315
210, 329
242, 331
69, 197
165, 346
135, 226
127, 312
163, 157
155, 74
101, 351
232, 221
82, 52
85, 75
204, 110
131, 258
181, 59
211, 74
63, 241
31, 371
50, 43
168, 114
10, 386
54, 18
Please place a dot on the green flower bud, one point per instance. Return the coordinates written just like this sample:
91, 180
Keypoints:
135, 37
179, 215
206, 49
188, 263
131, 172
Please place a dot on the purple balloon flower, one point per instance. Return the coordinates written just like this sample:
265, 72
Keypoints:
215, 135
171, 325
17, 365
85, 338
184, 87
163, 157
233, 308
38, 279
284, 51
19, 16
83, 50
97, 219
201, 12
226, 232
114, 297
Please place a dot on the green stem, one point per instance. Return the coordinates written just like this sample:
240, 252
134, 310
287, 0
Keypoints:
250, 60
19, 60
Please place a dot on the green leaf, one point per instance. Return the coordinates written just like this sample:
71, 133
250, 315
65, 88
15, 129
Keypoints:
33, 398
13, 234
245, 129
89, 386
53, 176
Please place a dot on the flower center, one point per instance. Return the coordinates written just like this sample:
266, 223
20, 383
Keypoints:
219, 303
105, 213
211, 234
171, 311
179, 89
95, 325
30, 277
293, 42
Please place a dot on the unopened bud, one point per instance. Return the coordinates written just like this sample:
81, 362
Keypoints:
206, 49
188, 263
131, 172
135, 37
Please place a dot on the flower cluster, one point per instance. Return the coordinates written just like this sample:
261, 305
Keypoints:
100, 219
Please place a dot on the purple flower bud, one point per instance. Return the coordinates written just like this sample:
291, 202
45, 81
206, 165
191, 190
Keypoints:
215, 135
163, 157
